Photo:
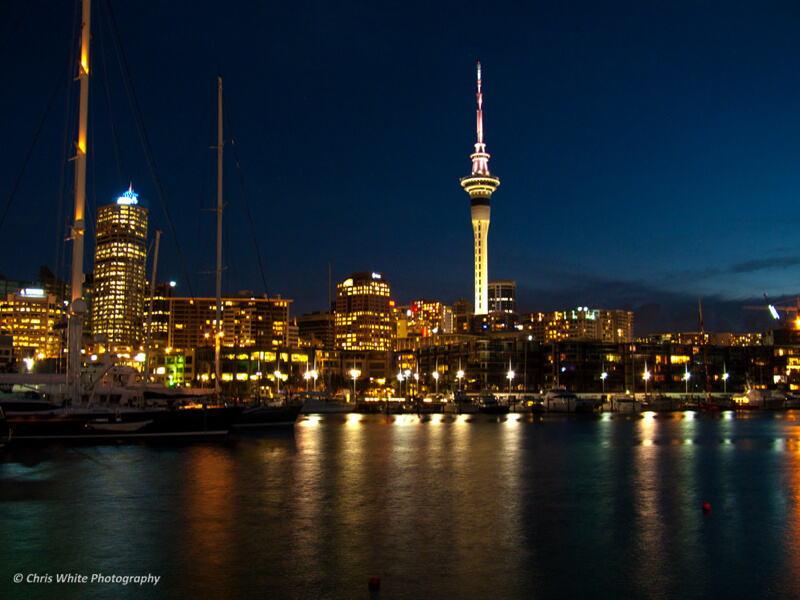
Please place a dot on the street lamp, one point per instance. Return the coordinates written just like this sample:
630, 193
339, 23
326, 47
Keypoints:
416, 383
510, 377
525, 368
436, 379
646, 377
314, 376
400, 384
725, 376
603, 377
307, 377
686, 377
278, 376
354, 373
460, 376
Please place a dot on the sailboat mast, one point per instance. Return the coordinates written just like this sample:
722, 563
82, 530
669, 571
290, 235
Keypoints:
146, 369
218, 332
77, 304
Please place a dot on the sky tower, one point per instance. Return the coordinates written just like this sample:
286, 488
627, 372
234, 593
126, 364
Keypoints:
480, 186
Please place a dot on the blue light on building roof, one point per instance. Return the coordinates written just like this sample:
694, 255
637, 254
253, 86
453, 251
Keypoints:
128, 197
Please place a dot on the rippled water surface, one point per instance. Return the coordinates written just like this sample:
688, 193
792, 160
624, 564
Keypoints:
436, 507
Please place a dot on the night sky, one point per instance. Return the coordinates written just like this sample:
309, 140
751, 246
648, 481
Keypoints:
648, 152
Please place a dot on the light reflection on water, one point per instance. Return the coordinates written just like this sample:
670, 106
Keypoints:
438, 506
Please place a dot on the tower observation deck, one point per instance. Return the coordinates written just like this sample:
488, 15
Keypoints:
480, 186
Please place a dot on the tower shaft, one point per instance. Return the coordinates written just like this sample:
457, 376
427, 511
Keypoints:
480, 186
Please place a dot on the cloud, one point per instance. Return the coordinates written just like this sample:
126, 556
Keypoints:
752, 266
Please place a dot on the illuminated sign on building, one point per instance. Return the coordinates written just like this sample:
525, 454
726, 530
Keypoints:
128, 197
33, 292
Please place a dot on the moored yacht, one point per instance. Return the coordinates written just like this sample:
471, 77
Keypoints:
489, 405
560, 400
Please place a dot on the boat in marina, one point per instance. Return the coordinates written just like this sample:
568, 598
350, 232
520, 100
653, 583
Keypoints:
315, 403
461, 404
269, 414
489, 405
756, 399
625, 403
119, 424
562, 401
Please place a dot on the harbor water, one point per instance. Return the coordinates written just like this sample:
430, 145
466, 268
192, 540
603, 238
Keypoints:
439, 506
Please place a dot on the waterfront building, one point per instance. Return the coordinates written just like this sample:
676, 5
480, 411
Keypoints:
503, 296
6, 352
254, 372
35, 321
462, 311
497, 321
316, 328
422, 318
362, 317
582, 323
158, 314
480, 185
119, 272
247, 321
253, 332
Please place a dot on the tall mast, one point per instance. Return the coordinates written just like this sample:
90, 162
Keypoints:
149, 330
480, 160
77, 303
218, 329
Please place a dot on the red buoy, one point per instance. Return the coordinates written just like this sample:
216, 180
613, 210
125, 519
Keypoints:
706, 507
374, 583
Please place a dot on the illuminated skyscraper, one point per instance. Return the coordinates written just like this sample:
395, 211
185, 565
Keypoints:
119, 271
480, 186
503, 296
362, 316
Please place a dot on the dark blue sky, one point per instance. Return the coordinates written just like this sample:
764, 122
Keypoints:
648, 152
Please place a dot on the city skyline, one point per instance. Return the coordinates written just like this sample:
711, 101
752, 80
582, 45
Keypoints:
647, 153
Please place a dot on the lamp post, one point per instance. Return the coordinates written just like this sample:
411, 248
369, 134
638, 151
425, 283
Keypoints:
407, 377
725, 376
460, 376
307, 377
603, 377
400, 384
277, 374
510, 376
416, 383
314, 376
354, 373
646, 377
436, 379
686, 377
525, 367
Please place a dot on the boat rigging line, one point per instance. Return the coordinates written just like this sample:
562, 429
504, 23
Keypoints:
33, 145
147, 147
244, 194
